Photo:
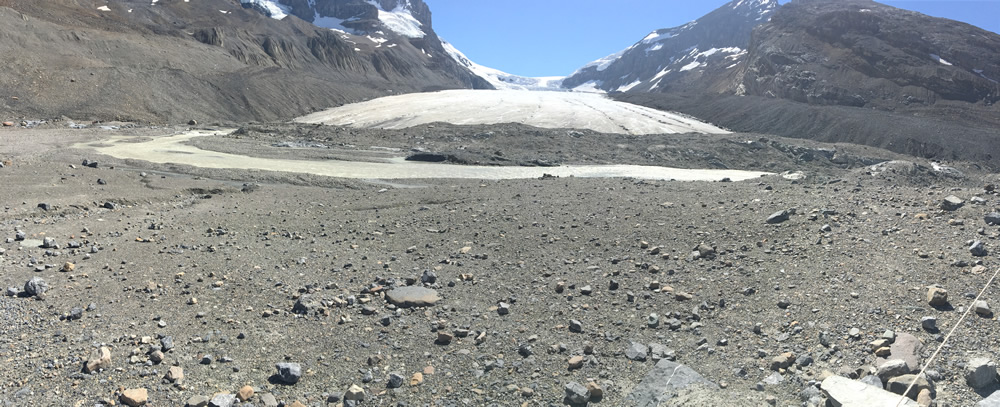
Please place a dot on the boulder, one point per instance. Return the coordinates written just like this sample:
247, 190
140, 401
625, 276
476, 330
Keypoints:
98, 359
952, 203
981, 373
35, 286
134, 397
289, 373
906, 348
663, 382
778, 217
412, 296
992, 401
899, 384
843, 392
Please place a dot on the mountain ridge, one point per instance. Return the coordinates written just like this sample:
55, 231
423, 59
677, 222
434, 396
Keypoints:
174, 61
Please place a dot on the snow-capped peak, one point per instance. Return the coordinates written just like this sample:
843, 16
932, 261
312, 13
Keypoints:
500, 79
400, 20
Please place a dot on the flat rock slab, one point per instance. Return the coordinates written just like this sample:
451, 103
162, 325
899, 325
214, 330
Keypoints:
992, 401
412, 296
844, 392
663, 383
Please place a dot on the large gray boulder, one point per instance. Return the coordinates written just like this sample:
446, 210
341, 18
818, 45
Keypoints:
992, 401
844, 392
663, 383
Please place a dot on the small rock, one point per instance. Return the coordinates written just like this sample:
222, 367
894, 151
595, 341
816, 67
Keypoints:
395, 381
444, 338
268, 400
416, 379
99, 359
503, 308
978, 249
983, 309
782, 361
575, 326
778, 217
197, 401
36, 286
355, 393
952, 203
924, 398
68, 267
245, 393
899, 385
981, 373
134, 397
412, 296
575, 362
892, 368
993, 219
49, 243
289, 373
175, 374
576, 393
596, 392
937, 296
929, 323
223, 400
637, 352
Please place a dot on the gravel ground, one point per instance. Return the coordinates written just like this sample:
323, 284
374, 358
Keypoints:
532, 276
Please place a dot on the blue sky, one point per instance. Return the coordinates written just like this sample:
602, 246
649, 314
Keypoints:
555, 37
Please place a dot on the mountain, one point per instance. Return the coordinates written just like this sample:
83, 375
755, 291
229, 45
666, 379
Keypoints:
856, 71
712, 43
176, 60
865, 54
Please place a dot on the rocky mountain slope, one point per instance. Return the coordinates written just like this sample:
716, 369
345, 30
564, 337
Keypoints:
407, 18
665, 57
862, 53
850, 71
174, 60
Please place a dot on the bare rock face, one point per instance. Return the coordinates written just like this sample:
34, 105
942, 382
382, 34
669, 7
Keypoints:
865, 54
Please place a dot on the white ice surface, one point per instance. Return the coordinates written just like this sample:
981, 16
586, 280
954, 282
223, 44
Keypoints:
540, 109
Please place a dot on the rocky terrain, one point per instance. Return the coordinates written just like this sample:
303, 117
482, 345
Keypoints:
147, 284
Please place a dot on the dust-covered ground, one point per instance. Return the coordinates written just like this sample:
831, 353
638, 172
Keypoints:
223, 274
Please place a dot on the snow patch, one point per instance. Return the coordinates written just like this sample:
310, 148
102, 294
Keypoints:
589, 87
626, 88
400, 20
274, 9
690, 66
662, 74
104, 8
940, 60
